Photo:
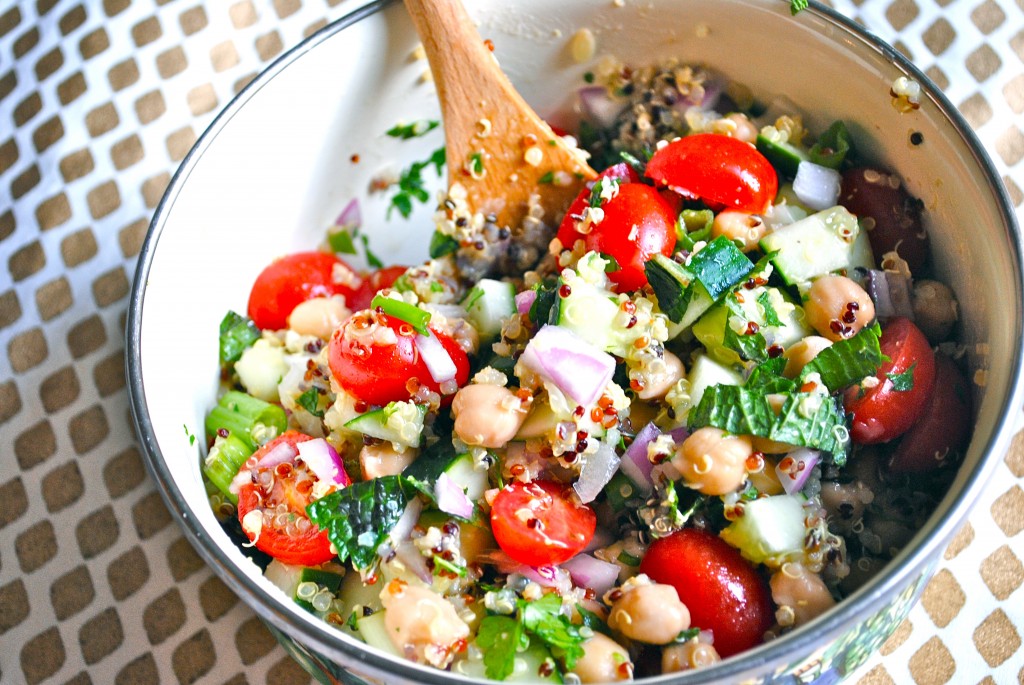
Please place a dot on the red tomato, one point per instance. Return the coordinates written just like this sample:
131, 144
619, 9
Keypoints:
722, 171
567, 233
944, 426
722, 590
290, 281
541, 522
638, 223
883, 412
298, 541
372, 284
380, 371
881, 197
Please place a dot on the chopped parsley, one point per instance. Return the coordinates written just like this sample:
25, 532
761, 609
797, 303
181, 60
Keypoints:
499, 638
476, 163
796, 6
371, 259
237, 333
411, 185
549, 177
413, 130
310, 401
537, 623
441, 245
903, 382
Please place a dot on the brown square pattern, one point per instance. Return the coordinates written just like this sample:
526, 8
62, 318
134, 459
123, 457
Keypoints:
128, 573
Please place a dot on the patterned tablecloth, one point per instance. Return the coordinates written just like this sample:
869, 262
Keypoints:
99, 102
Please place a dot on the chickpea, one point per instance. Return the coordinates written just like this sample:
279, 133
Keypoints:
745, 128
319, 316
802, 352
844, 503
382, 459
487, 415
604, 661
422, 624
713, 461
742, 226
935, 309
688, 655
656, 385
800, 594
650, 613
837, 307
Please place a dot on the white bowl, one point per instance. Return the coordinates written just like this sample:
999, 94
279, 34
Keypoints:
276, 167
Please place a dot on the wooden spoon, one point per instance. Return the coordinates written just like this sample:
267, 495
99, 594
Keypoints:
498, 149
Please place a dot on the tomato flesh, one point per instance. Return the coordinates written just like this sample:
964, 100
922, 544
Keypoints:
540, 523
286, 532
944, 426
638, 223
382, 278
289, 281
381, 371
722, 590
885, 411
722, 171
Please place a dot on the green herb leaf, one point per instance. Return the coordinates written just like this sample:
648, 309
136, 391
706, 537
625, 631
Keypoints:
847, 361
592, 620
544, 619
359, 517
832, 147
310, 401
441, 245
341, 241
237, 333
548, 177
687, 635
796, 6
411, 184
499, 637
409, 313
371, 259
903, 382
413, 130
771, 317
476, 163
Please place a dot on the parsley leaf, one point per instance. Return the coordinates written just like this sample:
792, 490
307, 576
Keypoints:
543, 618
903, 382
413, 130
371, 259
237, 333
411, 185
499, 637
359, 517
441, 245
795, 6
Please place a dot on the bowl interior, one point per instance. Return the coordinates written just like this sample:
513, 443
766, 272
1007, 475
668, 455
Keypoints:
280, 163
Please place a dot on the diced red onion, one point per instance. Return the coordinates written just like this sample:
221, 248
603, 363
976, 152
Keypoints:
323, 460
636, 465
590, 572
599, 106
597, 470
451, 498
351, 216
602, 538
545, 576
890, 292
439, 362
525, 300
573, 365
278, 454
411, 557
800, 464
406, 522
709, 97
817, 186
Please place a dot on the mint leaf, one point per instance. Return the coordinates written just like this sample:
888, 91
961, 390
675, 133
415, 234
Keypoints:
812, 420
498, 638
237, 333
734, 409
359, 517
441, 245
847, 361
310, 401
771, 317
903, 382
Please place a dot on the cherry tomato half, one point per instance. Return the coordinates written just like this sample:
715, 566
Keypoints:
905, 383
567, 233
944, 426
878, 196
379, 366
541, 522
722, 590
384, 277
288, 536
638, 223
289, 281
724, 172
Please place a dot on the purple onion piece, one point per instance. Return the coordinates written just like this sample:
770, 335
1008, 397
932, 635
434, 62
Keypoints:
795, 468
890, 293
598, 106
597, 470
278, 454
570, 363
451, 498
324, 461
635, 464
525, 300
351, 216
590, 572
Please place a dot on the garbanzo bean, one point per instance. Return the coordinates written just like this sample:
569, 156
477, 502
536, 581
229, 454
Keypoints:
383, 459
658, 384
742, 226
800, 594
421, 624
713, 461
801, 353
935, 309
746, 130
487, 415
650, 613
318, 316
688, 655
604, 661
837, 307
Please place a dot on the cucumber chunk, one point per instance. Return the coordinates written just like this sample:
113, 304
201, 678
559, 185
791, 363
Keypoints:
400, 423
489, 304
770, 529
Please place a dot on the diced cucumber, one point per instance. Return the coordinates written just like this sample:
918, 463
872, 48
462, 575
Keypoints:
527, 667
822, 243
284, 576
323, 577
769, 529
784, 156
375, 633
400, 423
489, 304
590, 313
539, 422
472, 480
710, 329
705, 372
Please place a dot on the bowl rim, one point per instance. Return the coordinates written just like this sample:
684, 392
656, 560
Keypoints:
913, 559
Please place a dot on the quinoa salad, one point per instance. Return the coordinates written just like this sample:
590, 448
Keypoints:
693, 412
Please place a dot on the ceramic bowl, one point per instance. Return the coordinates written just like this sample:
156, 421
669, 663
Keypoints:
278, 164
